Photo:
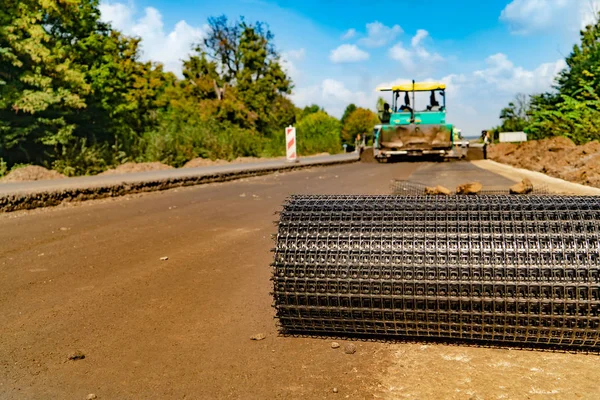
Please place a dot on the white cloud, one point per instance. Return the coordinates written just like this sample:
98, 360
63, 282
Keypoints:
350, 33
474, 99
403, 56
168, 48
379, 34
415, 59
348, 53
119, 14
503, 76
588, 14
529, 16
296, 55
526, 16
289, 60
334, 96
419, 37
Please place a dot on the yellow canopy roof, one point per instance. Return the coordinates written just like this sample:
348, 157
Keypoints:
419, 87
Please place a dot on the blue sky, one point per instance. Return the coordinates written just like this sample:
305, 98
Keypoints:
338, 52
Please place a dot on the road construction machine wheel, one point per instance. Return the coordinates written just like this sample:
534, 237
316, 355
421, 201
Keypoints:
500, 269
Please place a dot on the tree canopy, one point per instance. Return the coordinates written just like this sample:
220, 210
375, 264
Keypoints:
349, 110
360, 122
75, 95
572, 109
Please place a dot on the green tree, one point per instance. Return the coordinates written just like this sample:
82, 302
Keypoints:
515, 117
307, 110
40, 83
570, 117
318, 132
73, 94
243, 56
124, 101
582, 64
360, 122
350, 108
574, 109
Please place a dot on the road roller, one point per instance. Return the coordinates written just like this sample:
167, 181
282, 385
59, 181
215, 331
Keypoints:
496, 269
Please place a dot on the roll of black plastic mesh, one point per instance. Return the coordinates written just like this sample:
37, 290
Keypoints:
486, 268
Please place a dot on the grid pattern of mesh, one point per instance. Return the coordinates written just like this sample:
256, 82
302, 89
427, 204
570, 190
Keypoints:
408, 188
520, 269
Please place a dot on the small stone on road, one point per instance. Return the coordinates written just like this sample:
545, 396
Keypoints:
335, 345
438, 190
350, 348
91, 396
469, 188
523, 187
164, 258
78, 355
258, 336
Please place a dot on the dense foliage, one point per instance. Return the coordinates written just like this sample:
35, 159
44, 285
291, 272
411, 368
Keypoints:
318, 132
359, 123
573, 108
75, 96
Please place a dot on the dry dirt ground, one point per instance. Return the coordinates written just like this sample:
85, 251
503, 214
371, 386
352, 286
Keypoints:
36, 172
89, 277
31, 173
558, 157
130, 167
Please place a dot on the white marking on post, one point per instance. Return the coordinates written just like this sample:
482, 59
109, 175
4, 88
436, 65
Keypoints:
290, 141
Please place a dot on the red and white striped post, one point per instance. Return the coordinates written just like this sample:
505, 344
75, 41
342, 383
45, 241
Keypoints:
290, 142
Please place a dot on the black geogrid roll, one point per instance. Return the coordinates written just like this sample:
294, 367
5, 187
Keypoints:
487, 268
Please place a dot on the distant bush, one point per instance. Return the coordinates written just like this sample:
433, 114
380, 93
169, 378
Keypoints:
180, 138
317, 133
572, 118
359, 122
79, 158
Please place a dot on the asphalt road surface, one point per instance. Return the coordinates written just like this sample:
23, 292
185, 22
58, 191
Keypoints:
89, 277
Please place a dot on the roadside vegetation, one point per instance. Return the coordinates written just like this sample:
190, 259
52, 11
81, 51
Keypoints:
75, 96
572, 108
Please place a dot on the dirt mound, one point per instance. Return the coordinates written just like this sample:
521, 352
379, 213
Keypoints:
203, 162
136, 167
558, 157
206, 162
31, 173
367, 155
474, 153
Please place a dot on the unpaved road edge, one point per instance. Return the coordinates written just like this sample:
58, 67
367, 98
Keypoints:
555, 185
47, 198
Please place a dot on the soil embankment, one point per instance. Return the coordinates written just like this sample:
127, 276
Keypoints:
24, 195
558, 157
131, 167
31, 173
36, 172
